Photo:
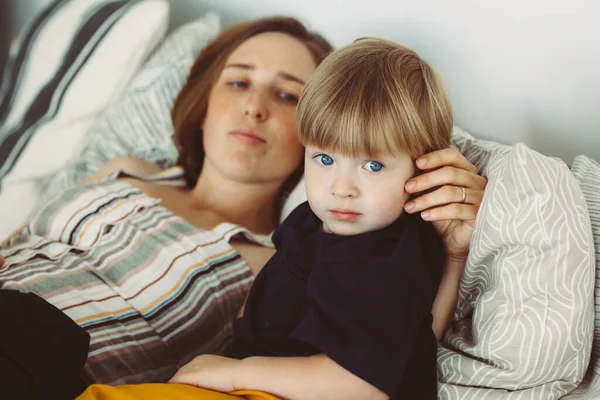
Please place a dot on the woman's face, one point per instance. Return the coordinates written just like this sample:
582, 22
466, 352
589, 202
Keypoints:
250, 127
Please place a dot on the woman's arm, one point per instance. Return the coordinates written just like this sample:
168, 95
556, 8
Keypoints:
131, 164
3, 242
305, 378
454, 218
445, 301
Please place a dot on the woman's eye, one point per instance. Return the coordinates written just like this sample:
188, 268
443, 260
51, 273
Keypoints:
373, 166
288, 97
324, 159
238, 84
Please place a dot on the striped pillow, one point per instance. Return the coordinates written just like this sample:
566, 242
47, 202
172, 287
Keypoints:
524, 320
63, 71
139, 122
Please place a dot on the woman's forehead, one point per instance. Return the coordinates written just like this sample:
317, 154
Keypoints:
274, 51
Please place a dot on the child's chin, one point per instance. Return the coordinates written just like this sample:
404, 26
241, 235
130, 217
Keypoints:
347, 230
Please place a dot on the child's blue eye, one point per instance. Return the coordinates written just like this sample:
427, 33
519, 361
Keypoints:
324, 159
373, 166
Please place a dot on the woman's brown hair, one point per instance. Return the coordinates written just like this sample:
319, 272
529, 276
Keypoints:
189, 110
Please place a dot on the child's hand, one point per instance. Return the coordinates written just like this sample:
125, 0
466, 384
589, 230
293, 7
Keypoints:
454, 204
209, 372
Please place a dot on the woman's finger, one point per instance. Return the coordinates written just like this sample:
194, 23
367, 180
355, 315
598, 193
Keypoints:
448, 156
446, 194
447, 175
454, 211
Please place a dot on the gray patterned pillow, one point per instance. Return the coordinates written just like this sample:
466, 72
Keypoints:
477, 151
587, 173
523, 325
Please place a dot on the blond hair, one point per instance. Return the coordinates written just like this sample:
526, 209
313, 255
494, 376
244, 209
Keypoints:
375, 97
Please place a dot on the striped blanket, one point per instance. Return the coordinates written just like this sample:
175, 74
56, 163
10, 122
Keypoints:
152, 290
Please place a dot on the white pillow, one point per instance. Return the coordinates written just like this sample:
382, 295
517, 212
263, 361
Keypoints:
65, 68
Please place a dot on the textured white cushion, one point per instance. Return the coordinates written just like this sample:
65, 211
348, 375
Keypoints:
523, 325
65, 69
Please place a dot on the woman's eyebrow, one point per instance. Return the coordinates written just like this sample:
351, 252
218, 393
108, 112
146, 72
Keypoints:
290, 77
282, 74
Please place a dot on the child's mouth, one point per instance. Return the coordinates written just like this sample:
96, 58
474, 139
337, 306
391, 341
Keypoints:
345, 215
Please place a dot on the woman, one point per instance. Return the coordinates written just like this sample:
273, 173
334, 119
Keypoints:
156, 273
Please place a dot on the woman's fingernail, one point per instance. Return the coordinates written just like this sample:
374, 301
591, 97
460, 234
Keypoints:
409, 206
421, 161
410, 185
425, 214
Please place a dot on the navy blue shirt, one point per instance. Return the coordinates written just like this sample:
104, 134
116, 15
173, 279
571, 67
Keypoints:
364, 300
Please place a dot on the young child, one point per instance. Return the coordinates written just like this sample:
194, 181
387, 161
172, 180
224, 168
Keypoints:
354, 277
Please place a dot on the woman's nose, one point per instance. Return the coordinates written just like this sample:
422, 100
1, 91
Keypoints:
256, 106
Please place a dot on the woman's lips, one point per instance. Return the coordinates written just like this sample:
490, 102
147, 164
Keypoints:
345, 215
248, 136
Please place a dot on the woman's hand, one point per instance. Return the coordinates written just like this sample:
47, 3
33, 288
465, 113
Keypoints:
209, 372
453, 205
454, 192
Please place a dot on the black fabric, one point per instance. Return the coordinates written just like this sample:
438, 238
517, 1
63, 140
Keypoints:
42, 351
365, 301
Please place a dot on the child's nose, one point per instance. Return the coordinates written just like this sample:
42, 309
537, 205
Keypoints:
344, 187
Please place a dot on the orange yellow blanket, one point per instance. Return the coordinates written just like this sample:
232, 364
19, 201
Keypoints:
160, 391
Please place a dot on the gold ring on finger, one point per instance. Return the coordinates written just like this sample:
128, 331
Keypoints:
464, 194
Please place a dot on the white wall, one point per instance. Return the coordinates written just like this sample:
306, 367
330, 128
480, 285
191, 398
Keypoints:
516, 70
